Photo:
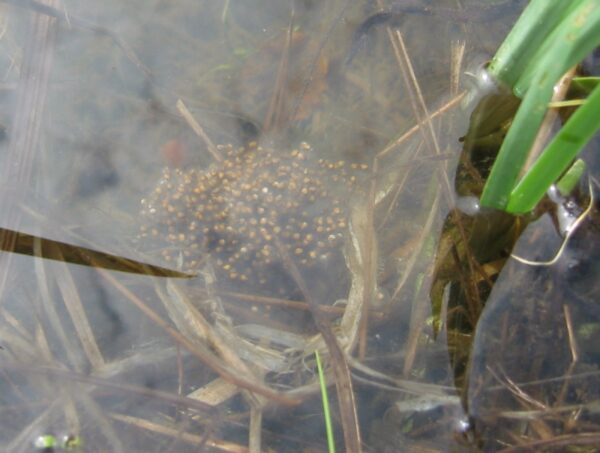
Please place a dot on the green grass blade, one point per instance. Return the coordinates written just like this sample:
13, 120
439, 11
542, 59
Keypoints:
533, 27
576, 36
557, 156
560, 48
583, 85
326, 411
571, 178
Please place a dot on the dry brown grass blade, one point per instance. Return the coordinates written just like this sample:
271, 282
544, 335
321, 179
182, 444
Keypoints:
316, 62
361, 259
195, 126
193, 439
203, 354
291, 304
378, 379
112, 441
121, 387
275, 117
429, 135
25, 244
574, 349
71, 415
41, 342
455, 101
537, 427
413, 88
457, 52
255, 430
196, 328
50, 10
25, 133
15, 324
48, 307
343, 379
420, 108
400, 184
566, 440
17, 346
274, 301
369, 257
23, 438
514, 388
420, 310
215, 392
72, 301
426, 230
571, 332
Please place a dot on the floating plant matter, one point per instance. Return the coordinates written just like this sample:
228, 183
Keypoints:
240, 211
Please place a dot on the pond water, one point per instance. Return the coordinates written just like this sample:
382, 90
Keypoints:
237, 142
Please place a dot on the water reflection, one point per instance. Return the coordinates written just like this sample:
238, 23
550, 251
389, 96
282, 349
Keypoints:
74, 339
533, 360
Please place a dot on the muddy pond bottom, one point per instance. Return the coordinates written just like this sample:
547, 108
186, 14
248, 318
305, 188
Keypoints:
239, 212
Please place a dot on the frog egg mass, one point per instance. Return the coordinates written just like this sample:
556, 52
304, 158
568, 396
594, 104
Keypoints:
237, 212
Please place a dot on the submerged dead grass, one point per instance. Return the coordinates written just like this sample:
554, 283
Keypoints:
215, 368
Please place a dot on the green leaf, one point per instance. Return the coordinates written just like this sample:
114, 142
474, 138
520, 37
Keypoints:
571, 178
326, 411
537, 21
575, 37
559, 154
